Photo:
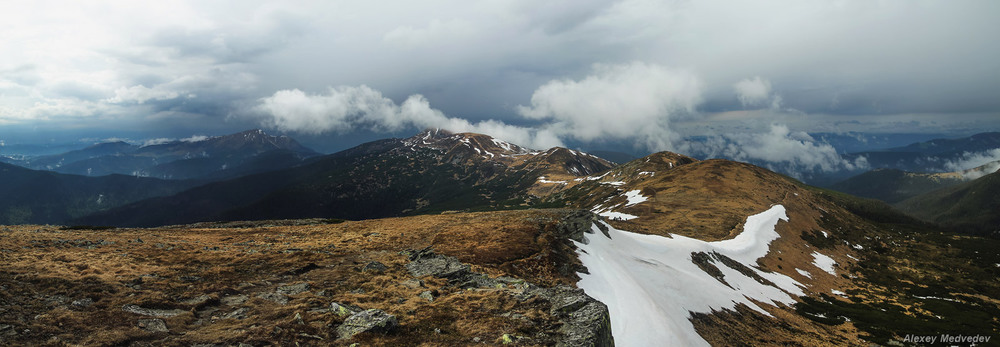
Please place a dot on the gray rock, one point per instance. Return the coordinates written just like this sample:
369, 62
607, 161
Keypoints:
372, 320
567, 300
85, 302
374, 267
233, 300
344, 310
412, 284
7, 330
155, 325
427, 295
240, 313
196, 301
427, 263
586, 321
576, 224
293, 289
278, 298
151, 311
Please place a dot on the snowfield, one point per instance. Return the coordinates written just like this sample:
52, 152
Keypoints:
651, 285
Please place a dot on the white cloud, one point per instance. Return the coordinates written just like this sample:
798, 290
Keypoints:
635, 100
779, 149
756, 92
140, 94
195, 138
157, 141
342, 109
753, 92
990, 160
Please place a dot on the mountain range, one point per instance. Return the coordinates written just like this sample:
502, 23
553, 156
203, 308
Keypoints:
209, 157
474, 236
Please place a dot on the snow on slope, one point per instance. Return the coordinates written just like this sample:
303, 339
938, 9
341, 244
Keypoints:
651, 285
634, 197
824, 262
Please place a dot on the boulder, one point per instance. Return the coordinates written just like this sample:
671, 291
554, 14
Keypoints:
372, 320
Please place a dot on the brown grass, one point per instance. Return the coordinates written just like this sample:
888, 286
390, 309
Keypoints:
170, 265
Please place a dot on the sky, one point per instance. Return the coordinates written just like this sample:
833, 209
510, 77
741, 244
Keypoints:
753, 79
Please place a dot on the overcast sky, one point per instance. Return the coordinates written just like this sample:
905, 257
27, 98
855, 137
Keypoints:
648, 73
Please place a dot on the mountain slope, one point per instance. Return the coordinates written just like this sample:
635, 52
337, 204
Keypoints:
31, 196
970, 208
866, 271
431, 172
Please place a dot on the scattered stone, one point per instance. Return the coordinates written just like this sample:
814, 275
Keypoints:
240, 313
7, 330
427, 295
311, 336
85, 302
372, 320
155, 325
196, 301
298, 318
233, 300
507, 339
151, 311
374, 267
302, 270
188, 278
297, 288
279, 298
412, 283
515, 316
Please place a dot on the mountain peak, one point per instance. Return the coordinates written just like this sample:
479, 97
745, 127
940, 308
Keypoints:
465, 144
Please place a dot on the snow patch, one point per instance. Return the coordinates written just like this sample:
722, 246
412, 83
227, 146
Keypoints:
837, 292
651, 285
804, 273
824, 234
543, 180
858, 247
824, 262
634, 197
617, 215
614, 183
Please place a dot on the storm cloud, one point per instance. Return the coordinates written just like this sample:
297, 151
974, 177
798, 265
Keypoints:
651, 73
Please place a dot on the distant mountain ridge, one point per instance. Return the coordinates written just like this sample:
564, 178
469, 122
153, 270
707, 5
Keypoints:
892, 185
928, 156
971, 208
432, 171
220, 157
43, 197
